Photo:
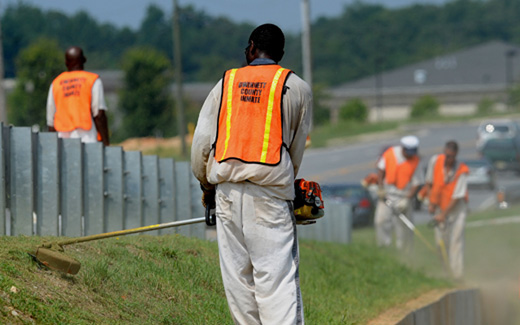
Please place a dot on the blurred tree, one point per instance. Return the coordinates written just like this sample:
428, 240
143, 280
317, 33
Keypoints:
37, 66
321, 113
354, 110
155, 31
145, 99
346, 47
485, 106
425, 106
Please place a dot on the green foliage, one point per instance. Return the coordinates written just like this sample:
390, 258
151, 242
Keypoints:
321, 113
145, 99
37, 66
485, 106
425, 106
354, 110
361, 40
514, 96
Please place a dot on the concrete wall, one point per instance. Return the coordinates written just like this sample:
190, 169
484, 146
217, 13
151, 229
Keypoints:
459, 307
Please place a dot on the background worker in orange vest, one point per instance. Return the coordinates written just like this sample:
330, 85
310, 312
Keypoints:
399, 177
446, 179
249, 144
76, 103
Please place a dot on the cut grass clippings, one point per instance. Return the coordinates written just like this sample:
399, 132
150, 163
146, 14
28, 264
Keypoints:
173, 279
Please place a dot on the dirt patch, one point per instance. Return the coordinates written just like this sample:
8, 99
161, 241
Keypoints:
151, 143
395, 314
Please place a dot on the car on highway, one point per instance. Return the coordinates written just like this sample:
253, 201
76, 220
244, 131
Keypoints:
497, 129
360, 199
503, 153
481, 173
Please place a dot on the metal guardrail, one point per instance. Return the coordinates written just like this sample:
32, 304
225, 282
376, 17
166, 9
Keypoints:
61, 187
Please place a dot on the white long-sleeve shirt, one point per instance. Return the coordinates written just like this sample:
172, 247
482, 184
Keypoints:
277, 181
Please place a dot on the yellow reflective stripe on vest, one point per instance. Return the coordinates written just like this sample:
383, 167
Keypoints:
229, 106
269, 115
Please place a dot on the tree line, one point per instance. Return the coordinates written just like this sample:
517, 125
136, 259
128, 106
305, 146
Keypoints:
362, 40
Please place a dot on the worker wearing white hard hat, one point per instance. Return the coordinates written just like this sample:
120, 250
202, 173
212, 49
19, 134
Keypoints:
399, 178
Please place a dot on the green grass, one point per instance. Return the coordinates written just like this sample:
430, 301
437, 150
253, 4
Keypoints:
176, 280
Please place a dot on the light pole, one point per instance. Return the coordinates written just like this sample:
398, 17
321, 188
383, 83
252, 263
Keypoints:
379, 89
3, 108
178, 77
306, 45
306, 42
510, 55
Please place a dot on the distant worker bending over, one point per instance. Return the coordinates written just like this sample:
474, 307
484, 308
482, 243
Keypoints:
447, 180
248, 145
399, 178
76, 103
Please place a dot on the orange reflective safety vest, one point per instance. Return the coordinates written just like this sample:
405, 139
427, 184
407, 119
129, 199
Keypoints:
441, 191
72, 92
250, 115
401, 174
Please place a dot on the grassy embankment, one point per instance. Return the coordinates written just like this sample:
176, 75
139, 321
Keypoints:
176, 280
492, 262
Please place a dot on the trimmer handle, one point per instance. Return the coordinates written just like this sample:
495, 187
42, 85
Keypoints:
211, 218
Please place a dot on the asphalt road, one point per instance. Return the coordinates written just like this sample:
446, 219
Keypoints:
350, 162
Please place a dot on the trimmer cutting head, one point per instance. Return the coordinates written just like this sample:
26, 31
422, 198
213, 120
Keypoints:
56, 261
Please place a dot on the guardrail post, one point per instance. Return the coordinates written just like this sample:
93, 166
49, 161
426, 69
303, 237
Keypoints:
133, 190
94, 187
71, 187
47, 184
21, 181
167, 211
3, 192
151, 191
113, 189
183, 195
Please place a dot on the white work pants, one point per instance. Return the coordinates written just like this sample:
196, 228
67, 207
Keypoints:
259, 256
385, 221
452, 233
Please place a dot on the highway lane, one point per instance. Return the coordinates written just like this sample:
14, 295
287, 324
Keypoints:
353, 161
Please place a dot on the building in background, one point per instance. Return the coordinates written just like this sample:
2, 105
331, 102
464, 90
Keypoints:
459, 81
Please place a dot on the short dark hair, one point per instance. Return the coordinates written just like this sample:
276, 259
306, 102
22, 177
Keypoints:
270, 39
452, 145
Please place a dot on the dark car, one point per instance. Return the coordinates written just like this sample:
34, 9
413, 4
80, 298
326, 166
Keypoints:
503, 153
357, 196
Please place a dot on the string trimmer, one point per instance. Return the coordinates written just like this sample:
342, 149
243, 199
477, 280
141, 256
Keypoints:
49, 254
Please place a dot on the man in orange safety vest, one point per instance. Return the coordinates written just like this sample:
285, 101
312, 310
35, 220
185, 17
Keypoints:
399, 178
76, 104
446, 179
247, 149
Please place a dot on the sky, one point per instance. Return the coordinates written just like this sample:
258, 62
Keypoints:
284, 13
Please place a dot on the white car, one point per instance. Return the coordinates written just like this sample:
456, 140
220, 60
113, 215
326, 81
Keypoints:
499, 128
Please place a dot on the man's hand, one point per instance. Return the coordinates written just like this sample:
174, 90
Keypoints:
402, 205
208, 197
381, 193
440, 218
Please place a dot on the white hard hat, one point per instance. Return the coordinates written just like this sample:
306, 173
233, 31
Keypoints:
410, 143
